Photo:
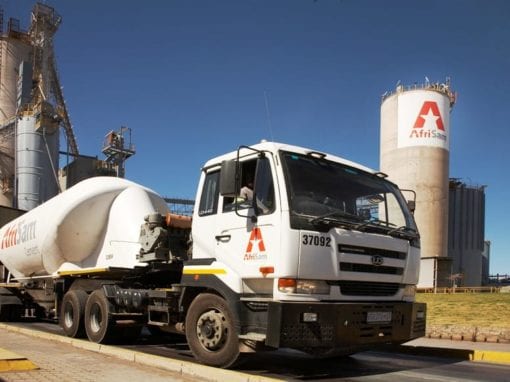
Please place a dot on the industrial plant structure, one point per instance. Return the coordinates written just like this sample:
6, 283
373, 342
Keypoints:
415, 143
33, 114
32, 109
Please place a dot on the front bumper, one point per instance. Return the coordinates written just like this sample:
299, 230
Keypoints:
343, 325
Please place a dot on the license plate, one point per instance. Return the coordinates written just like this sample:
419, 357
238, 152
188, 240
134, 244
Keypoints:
374, 317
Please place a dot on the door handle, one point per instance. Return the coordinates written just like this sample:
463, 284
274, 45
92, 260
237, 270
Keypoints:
222, 237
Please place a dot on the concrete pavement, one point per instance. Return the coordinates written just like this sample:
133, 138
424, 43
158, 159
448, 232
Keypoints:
61, 359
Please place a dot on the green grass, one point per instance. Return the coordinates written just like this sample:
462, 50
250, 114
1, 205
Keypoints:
490, 310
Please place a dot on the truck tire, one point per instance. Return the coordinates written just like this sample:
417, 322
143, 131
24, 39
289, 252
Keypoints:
210, 331
99, 326
72, 313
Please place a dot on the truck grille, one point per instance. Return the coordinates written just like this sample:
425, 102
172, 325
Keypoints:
368, 268
354, 249
376, 258
366, 288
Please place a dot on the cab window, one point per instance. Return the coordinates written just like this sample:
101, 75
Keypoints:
210, 193
264, 188
256, 180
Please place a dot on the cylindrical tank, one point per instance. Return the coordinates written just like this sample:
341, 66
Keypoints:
415, 138
96, 223
36, 162
466, 243
12, 52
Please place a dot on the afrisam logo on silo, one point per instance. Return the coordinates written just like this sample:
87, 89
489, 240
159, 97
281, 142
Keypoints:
423, 119
255, 250
429, 123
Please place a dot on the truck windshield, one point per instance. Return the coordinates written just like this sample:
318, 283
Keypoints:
323, 193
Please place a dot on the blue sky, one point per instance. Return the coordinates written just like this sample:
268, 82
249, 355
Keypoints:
189, 78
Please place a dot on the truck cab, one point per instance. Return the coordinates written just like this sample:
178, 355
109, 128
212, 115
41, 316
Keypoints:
309, 250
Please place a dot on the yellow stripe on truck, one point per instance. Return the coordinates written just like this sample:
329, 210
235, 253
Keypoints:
203, 271
83, 271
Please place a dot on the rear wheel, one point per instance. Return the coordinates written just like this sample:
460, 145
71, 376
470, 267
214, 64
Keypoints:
72, 313
99, 326
210, 331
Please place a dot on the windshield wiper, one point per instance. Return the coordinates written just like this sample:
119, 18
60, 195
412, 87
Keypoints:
376, 223
404, 230
330, 214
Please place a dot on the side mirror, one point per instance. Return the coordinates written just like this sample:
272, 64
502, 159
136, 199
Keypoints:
228, 178
411, 204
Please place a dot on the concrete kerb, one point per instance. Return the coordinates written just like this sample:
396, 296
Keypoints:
465, 354
183, 367
490, 356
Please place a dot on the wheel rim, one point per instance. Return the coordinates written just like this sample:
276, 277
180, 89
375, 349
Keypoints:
211, 330
96, 318
68, 315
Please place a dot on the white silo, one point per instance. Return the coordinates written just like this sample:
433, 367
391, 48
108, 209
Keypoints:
415, 143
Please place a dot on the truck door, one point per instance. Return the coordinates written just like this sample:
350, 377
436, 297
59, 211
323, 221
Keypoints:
243, 244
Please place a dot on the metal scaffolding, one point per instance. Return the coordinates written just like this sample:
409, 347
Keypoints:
117, 148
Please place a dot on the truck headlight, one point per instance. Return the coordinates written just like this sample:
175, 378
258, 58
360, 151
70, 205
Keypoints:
303, 286
409, 292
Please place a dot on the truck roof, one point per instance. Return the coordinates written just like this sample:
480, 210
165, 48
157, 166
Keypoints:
274, 147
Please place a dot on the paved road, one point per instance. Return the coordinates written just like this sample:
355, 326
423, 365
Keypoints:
366, 366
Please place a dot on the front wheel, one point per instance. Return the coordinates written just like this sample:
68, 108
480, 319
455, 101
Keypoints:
210, 331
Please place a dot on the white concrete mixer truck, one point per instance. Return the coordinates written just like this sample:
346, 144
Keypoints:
287, 248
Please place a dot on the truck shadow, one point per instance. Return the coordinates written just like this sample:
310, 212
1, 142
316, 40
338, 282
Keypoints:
298, 366
294, 365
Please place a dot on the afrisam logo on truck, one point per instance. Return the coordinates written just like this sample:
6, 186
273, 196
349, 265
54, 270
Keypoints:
20, 233
255, 250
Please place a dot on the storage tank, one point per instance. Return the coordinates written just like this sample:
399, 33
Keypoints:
466, 241
14, 49
415, 143
94, 224
37, 143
